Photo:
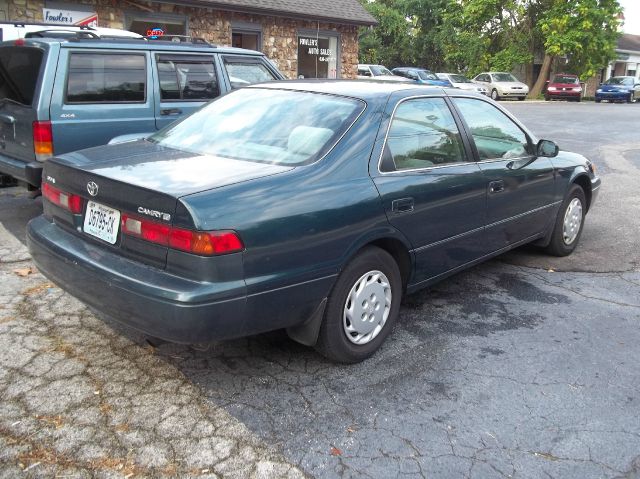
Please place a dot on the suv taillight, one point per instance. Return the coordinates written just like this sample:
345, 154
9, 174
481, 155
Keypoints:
42, 140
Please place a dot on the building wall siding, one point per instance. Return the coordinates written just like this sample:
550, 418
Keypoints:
279, 35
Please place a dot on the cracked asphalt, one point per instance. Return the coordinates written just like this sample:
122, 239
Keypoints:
523, 367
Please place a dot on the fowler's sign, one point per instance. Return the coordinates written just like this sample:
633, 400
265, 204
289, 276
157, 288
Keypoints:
69, 17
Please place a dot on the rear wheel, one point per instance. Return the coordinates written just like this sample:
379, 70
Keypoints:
362, 307
569, 223
494, 94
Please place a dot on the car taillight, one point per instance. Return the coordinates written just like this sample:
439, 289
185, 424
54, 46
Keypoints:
203, 243
65, 200
42, 140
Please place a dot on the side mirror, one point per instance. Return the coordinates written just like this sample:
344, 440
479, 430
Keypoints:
547, 148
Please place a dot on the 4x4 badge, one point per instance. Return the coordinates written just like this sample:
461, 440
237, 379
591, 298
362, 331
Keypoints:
92, 188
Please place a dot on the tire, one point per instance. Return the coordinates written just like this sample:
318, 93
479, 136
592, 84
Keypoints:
632, 97
494, 95
579, 99
546, 98
564, 240
521, 98
598, 100
337, 336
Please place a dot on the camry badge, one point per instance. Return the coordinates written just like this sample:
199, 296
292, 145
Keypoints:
92, 188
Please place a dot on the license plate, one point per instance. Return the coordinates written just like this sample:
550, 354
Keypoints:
102, 222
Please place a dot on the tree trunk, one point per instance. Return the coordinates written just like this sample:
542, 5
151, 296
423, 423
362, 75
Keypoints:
542, 77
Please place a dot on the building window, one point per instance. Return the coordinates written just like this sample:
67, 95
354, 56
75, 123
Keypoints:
317, 56
248, 40
150, 24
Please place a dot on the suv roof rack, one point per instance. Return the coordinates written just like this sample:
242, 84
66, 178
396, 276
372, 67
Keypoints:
84, 33
179, 39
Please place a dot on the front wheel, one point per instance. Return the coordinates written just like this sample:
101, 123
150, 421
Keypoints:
521, 98
494, 94
362, 307
598, 100
569, 223
632, 97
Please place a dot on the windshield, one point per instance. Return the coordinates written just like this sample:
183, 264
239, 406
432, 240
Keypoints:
504, 77
565, 79
426, 75
459, 79
265, 126
379, 70
619, 81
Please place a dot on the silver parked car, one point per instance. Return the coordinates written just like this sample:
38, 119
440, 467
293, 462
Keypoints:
377, 72
502, 85
462, 82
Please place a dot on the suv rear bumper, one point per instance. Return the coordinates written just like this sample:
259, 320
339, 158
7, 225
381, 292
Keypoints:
30, 173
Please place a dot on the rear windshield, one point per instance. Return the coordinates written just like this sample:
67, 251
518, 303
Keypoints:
565, 79
264, 126
19, 69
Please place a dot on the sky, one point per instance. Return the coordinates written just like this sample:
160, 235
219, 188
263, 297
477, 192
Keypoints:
631, 16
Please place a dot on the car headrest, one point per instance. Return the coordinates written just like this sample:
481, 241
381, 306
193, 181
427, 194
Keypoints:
307, 140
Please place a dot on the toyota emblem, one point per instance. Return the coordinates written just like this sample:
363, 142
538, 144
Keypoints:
92, 188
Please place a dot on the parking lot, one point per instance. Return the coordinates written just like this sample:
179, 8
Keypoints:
525, 366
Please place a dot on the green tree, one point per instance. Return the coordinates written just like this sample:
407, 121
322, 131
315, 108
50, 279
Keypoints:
583, 31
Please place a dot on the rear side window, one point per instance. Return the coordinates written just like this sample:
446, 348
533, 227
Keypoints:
423, 134
19, 70
242, 73
106, 78
187, 78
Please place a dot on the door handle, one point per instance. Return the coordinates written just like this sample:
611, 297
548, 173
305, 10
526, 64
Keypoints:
403, 205
496, 186
171, 111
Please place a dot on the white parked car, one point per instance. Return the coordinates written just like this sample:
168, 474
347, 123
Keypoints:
462, 82
377, 72
15, 30
502, 85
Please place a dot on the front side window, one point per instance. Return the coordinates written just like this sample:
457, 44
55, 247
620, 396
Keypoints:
188, 78
264, 125
494, 134
106, 78
423, 134
242, 73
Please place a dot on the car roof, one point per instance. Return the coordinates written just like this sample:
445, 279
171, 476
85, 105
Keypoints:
137, 44
361, 89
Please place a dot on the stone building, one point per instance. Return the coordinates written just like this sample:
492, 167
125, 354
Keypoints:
305, 38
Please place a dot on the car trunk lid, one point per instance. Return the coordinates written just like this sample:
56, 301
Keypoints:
144, 181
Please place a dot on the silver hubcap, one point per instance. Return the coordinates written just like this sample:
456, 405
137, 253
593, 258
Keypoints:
367, 307
494, 94
572, 221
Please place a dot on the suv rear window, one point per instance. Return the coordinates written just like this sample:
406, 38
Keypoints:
106, 78
19, 70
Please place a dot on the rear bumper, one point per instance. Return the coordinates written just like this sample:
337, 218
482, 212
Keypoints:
147, 299
29, 172
162, 304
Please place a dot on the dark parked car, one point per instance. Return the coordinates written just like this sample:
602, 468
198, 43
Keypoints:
624, 88
63, 94
310, 206
421, 75
564, 86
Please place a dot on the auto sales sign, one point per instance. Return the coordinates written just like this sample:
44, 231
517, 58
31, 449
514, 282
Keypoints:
69, 17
